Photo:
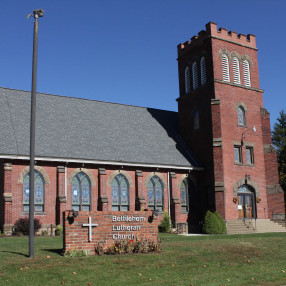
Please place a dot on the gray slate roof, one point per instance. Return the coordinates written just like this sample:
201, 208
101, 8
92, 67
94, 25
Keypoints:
92, 130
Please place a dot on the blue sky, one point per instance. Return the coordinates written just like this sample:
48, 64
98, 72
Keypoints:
125, 51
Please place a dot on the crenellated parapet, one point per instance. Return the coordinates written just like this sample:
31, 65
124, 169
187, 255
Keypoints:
213, 32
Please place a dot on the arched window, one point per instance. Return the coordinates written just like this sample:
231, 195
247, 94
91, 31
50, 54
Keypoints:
203, 71
155, 194
81, 192
187, 80
236, 71
241, 116
39, 188
184, 196
120, 193
195, 75
196, 120
246, 73
225, 68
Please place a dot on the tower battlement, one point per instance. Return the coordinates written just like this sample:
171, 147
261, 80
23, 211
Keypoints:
221, 33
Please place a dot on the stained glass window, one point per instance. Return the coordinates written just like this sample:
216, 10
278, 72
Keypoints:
120, 193
155, 194
39, 189
184, 196
241, 116
81, 192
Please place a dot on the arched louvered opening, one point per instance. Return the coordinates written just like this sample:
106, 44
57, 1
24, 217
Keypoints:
203, 71
236, 71
241, 116
187, 80
195, 75
225, 68
246, 73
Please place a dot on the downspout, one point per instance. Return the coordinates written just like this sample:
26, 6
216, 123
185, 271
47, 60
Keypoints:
66, 182
169, 194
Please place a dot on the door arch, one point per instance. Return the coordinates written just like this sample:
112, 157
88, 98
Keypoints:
246, 202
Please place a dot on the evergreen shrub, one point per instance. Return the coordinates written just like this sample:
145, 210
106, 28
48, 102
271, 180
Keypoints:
165, 224
213, 223
22, 226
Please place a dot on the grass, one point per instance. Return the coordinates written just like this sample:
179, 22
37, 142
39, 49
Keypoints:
257, 259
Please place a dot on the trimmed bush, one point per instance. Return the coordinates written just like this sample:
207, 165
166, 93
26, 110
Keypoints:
222, 222
59, 230
165, 224
22, 226
212, 224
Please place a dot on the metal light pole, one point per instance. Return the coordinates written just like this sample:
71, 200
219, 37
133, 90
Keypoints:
36, 14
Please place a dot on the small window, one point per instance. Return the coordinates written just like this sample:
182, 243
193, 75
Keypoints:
203, 71
120, 193
246, 73
155, 194
225, 68
241, 116
196, 120
184, 196
187, 80
39, 189
195, 75
237, 155
81, 192
249, 155
236, 71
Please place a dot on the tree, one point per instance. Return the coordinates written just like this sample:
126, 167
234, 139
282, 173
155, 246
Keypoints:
279, 141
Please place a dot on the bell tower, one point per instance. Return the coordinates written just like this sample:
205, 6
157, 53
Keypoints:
224, 122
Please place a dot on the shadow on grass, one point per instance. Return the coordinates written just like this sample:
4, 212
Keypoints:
58, 251
13, 252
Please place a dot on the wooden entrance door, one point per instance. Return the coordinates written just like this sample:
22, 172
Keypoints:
246, 206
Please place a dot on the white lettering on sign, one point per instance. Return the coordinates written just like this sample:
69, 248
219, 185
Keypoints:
127, 218
123, 236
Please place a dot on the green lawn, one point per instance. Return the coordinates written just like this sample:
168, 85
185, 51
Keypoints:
258, 259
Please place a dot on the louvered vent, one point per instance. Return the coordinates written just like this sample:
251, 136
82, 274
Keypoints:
246, 73
195, 75
236, 71
225, 68
203, 71
187, 80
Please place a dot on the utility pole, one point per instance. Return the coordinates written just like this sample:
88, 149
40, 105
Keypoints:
36, 14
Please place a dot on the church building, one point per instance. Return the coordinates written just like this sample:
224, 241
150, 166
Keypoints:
214, 154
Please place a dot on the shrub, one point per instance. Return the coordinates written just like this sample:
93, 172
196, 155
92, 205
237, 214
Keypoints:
222, 222
59, 230
165, 224
22, 226
212, 224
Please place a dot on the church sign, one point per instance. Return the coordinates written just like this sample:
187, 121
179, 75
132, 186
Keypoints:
88, 229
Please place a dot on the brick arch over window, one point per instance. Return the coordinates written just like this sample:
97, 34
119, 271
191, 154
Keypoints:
152, 175
191, 178
39, 169
240, 103
124, 173
249, 182
78, 170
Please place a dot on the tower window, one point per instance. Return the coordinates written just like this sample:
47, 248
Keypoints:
246, 73
225, 68
203, 71
249, 155
237, 155
236, 71
187, 80
195, 75
241, 116
196, 120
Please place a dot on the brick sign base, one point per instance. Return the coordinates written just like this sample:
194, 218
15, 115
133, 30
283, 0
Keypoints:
90, 228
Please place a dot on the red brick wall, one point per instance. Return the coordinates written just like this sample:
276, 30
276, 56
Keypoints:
77, 237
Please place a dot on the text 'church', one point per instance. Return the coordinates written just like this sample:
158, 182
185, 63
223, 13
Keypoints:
215, 153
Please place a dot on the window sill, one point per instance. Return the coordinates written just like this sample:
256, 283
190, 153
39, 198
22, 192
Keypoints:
244, 165
35, 213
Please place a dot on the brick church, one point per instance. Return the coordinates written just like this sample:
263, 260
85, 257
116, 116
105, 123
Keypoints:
215, 153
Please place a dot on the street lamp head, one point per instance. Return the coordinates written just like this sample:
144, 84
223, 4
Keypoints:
36, 13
